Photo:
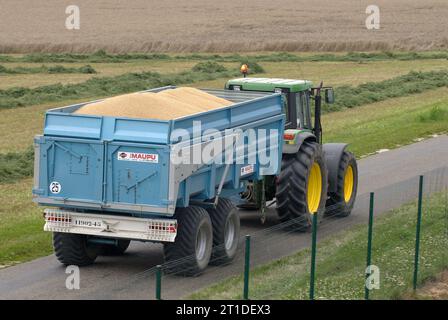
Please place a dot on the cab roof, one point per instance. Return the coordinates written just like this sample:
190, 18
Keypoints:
269, 84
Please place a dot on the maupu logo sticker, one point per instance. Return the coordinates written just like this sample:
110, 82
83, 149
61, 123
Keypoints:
137, 156
55, 187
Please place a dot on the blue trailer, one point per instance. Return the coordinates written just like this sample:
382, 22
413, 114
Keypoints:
112, 178
108, 180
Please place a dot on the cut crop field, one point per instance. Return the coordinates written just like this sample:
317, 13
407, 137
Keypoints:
231, 26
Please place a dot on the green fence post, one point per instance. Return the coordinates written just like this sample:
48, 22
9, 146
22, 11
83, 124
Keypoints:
246, 269
369, 244
313, 256
417, 232
158, 282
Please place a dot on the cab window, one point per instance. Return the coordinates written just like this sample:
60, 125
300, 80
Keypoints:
303, 116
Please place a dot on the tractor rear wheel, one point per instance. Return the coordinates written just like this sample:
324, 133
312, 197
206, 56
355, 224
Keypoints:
341, 202
302, 186
190, 254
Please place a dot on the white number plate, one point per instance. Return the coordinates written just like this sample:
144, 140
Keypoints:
87, 222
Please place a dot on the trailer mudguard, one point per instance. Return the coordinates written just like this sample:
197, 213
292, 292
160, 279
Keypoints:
333, 153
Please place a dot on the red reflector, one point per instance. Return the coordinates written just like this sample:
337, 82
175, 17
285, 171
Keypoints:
58, 219
289, 136
172, 229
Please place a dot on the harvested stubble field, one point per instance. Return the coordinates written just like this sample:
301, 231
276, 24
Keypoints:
230, 26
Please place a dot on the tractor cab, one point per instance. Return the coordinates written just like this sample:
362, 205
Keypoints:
296, 94
318, 184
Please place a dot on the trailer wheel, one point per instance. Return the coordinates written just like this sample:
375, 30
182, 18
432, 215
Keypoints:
302, 186
190, 254
115, 250
73, 249
226, 231
341, 202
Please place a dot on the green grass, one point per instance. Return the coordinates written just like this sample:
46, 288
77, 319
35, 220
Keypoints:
437, 113
22, 237
103, 57
388, 124
16, 165
341, 260
46, 69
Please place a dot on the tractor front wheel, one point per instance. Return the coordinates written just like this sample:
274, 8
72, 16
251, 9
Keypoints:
341, 202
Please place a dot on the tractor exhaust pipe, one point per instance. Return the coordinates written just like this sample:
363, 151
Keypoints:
317, 111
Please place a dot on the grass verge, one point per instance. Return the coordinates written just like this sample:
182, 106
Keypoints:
341, 260
21, 237
389, 124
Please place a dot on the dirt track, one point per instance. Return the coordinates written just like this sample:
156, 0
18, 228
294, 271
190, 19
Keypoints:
233, 25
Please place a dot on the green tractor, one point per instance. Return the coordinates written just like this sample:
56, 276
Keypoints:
315, 178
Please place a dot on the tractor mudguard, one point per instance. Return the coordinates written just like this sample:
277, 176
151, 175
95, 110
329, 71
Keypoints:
333, 154
291, 148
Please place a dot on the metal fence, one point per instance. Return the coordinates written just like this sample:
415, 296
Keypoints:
422, 202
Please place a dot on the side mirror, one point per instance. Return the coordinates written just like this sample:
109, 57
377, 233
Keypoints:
329, 96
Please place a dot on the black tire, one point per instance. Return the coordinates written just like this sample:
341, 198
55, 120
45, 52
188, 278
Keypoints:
115, 250
194, 260
292, 185
73, 249
337, 206
226, 231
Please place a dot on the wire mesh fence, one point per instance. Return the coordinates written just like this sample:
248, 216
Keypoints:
279, 263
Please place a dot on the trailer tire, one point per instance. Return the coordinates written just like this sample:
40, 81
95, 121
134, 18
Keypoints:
190, 254
226, 231
341, 202
301, 176
73, 249
115, 250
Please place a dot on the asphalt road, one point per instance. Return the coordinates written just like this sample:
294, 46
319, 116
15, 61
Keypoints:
392, 175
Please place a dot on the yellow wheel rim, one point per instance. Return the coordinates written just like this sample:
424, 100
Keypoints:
314, 189
348, 184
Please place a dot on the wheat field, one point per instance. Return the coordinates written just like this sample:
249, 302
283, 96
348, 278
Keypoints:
226, 26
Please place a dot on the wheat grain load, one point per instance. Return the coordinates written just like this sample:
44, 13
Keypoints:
165, 105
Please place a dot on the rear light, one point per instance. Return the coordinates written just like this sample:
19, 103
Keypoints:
58, 219
56, 216
289, 136
169, 227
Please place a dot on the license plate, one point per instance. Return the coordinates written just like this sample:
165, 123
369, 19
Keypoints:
87, 222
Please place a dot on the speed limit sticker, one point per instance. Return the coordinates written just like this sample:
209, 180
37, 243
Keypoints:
55, 187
